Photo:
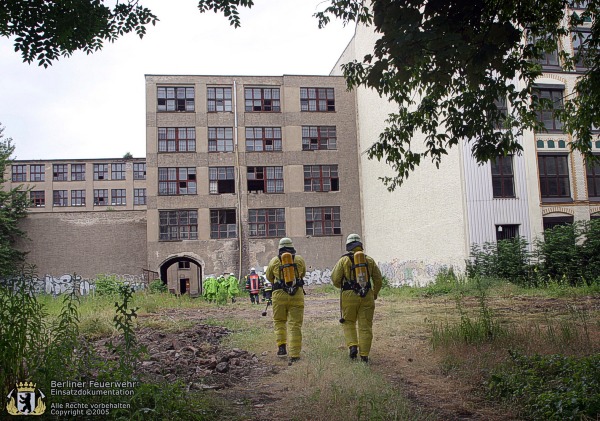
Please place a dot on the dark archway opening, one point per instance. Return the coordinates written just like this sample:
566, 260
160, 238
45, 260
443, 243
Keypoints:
182, 275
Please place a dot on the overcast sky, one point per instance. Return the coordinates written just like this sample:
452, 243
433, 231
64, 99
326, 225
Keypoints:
93, 106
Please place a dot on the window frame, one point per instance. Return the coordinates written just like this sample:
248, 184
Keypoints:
37, 172
269, 139
320, 102
174, 186
502, 178
178, 231
139, 170
507, 232
19, 173
216, 182
139, 199
185, 104
271, 177
76, 174
177, 137
545, 179
60, 198
220, 139
60, 172
118, 197
78, 197
98, 196
219, 102
118, 171
557, 125
309, 185
322, 137
98, 172
37, 198
268, 221
260, 103
323, 212
226, 229
592, 176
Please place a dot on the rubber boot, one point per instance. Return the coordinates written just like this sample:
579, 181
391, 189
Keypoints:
282, 352
353, 352
293, 360
364, 359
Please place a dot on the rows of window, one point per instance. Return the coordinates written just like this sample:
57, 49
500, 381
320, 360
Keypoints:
580, 42
256, 99
60, 172
258, 139
63, 198
182, 224
553, 169
175, 181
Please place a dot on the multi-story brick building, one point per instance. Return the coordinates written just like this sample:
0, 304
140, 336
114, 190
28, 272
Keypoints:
233, 165
237, 162
87, 216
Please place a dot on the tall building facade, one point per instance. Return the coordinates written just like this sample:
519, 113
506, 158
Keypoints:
235, 163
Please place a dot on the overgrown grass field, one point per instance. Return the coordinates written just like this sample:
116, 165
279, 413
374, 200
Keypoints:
530, 352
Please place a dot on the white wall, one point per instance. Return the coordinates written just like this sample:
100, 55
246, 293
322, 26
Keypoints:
421, 227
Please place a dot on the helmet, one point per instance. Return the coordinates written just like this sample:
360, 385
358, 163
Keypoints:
353, 238
231, 274
286, 242
353, 241
252, 269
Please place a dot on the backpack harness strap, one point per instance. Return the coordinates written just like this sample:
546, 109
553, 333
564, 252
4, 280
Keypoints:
280, 283
351, 284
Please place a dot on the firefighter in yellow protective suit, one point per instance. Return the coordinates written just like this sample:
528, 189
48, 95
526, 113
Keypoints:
288, 301
357, 303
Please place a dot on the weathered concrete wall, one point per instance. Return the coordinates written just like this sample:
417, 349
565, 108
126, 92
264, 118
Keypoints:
86, 243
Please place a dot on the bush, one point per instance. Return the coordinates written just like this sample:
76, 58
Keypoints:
157, 286
552, 387
108, 285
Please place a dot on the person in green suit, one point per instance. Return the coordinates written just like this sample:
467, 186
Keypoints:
358, 304
288, 302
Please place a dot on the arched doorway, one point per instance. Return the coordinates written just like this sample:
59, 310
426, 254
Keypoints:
182, 275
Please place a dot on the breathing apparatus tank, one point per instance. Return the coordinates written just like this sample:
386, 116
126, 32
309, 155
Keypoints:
289, 273
360, 269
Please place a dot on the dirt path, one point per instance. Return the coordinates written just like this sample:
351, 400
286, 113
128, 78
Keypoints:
254, 384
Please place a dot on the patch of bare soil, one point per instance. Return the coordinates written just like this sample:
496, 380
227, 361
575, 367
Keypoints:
254, 383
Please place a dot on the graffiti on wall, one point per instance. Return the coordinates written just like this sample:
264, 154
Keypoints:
317, 277
410, 272
67, 283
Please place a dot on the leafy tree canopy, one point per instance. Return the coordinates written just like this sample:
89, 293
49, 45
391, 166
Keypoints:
13, 207
46, 30
446, 64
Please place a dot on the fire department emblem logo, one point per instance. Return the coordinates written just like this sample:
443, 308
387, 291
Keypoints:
25, 399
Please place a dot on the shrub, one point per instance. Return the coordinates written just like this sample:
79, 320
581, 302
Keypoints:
552, 387
157, 286
107, 285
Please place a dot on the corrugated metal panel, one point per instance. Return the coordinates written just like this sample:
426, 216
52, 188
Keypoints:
483, 211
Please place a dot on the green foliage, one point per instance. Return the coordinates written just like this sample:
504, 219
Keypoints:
446, 67
551, 387
506, 259
46, 30
127, 155
157, 286
108, 285
13, 208
129, 351
568, 254
483, 328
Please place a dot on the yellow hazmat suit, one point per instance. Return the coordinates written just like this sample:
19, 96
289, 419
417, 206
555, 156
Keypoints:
288, 310
354, 307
